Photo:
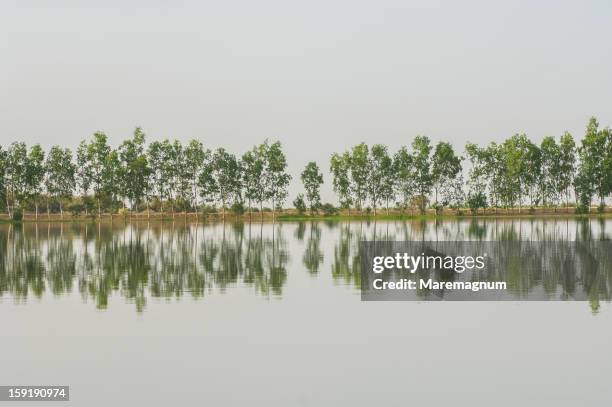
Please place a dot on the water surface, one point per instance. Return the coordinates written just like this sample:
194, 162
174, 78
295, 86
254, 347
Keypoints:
174, 313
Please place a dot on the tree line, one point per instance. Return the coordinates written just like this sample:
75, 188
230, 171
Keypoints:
510, 174
167, 175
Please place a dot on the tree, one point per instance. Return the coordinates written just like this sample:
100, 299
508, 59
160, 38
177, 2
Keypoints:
521, 164
195, 158
380, 178
35, 174
226, 172
360, 171
111, 179
404, 180
312, 178
16, 175
134, 169
158, 175
551, 171
340, 170
421, 146
98, 175
3, 165
83, 175
207, 187
452, 192
299, 204
477, 182
567, 159
592, 174
252, 163
275, 173
60, 175
445, 167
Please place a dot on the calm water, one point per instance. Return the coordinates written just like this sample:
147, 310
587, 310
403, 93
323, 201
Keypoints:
175, 314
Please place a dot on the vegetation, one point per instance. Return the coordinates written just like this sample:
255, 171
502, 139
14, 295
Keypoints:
167, 176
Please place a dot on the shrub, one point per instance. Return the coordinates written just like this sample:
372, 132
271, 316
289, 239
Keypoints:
476, 201
75, 208
237, 208
17, 215
299, 204
329, 209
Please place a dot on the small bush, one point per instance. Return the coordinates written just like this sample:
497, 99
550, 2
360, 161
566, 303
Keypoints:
76, 208
299, 204
329, 209
17, 215
124, 212
237, 208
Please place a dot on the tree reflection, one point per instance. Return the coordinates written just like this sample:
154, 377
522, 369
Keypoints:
140, 261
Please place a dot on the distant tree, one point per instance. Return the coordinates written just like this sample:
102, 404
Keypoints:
16, 175
567, 166
96, 154
180, 184
134, 168
226, 172
404, 180
253, 163
312, 178
477, 175
445, 167
299, 204
159, 177
35, 174
380, 177
550, 171
83, 175
111, 179
207, 186
2, 176
195, 157
452, 192
340, 170
275, 173
421, 160
60, 175
592, 174
360, 172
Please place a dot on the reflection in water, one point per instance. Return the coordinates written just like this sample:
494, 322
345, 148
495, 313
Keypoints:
167, 260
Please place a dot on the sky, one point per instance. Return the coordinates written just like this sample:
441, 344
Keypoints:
319, 76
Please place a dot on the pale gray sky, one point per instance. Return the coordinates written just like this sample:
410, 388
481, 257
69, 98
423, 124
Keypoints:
316, 75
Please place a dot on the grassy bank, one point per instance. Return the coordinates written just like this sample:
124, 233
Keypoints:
293, 215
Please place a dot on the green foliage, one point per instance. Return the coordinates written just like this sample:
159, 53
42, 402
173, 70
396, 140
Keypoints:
299, 204
17, 215
421, 162
477, 201
339, 168
312, 178
329, 209
445, 168
237, 208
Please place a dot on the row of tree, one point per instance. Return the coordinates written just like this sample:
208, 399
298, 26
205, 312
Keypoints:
513, 173
165, 173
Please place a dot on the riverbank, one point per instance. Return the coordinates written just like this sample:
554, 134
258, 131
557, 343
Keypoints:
294, 215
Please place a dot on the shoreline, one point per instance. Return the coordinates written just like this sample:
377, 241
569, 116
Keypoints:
293, 216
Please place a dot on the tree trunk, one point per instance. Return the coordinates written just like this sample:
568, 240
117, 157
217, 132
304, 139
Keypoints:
61, 210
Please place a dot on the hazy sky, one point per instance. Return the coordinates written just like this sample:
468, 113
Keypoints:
316, 75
